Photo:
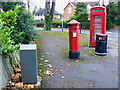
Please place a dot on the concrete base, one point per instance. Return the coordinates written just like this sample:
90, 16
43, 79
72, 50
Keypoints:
4, 75
101, 54
74, 54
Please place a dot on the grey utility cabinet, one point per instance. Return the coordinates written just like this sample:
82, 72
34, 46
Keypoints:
28, 61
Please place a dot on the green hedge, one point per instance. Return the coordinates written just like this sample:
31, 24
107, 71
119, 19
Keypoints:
39, 23
85, 25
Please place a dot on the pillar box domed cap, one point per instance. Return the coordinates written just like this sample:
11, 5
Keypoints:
73, 22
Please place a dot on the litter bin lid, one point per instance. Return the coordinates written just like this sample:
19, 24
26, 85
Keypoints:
28, 47
101, 35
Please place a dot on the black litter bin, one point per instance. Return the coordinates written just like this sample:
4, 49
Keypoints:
101, 44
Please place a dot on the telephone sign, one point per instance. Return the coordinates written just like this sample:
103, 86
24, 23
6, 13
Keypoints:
97, 23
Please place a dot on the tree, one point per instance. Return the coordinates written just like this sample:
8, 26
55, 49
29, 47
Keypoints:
34, 10
81, 14
49, 12
7, 6
112, 15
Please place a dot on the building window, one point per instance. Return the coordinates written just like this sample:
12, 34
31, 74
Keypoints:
69, 10
41, 14
38, 14
68, 18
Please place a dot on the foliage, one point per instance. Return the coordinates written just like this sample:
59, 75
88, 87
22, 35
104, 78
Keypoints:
81, 14
84, 25
54, 24
7, 6
34, 10
8, 22
24, 23
112, 15
55, 19
39, 23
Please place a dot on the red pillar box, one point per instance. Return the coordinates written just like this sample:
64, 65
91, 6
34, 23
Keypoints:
74, 52
97, 23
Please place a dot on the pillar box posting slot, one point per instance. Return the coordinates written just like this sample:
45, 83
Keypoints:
74, 49
97, 23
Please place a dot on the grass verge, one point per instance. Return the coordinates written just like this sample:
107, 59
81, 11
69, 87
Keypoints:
40, 63
89, 51
66, 55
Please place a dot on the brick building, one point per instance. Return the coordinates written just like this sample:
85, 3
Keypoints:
69, 10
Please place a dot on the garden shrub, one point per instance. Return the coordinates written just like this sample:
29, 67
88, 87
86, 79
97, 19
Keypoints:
25, 23
54, 24
7, 24
85, 25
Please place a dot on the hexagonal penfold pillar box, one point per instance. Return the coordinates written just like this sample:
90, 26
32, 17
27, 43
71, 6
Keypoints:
74, 48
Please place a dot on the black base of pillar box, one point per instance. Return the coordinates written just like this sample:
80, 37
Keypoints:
74, 54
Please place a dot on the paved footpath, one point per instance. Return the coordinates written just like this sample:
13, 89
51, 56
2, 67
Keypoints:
95, 72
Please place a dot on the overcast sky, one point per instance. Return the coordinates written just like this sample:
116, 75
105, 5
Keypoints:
60, 4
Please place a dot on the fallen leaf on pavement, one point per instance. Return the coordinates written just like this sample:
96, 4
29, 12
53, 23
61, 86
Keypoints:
47, 72
18, 74
47, 68
40, 70
57, 44
51, 54
41, 64
38, 84
62, 77
46, 61
68, 64
48, 56
47, 53
18, 70
56, 70
19, 85
41, 58
49, 65
51, 70
30, 86
61, 70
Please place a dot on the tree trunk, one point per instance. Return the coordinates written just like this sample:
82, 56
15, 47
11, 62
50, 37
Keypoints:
49, 14
28, 5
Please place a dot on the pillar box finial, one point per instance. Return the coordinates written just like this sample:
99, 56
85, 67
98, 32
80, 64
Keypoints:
73, 18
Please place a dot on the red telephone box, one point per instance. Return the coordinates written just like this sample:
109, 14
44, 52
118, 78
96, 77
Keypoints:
97, 23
